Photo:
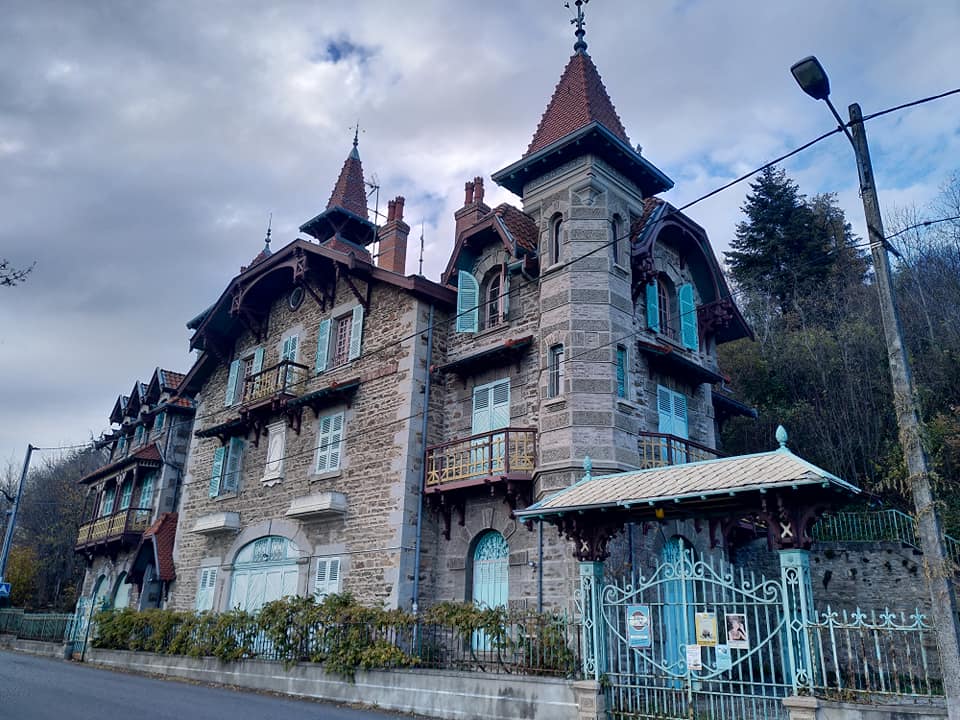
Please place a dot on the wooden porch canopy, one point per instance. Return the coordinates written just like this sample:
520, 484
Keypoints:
776, 489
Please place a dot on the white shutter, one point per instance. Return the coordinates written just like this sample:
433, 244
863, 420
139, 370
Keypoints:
231, 475
217, 473
208, 581
289, 351
232, 380
336, 442
327, 579
329, 442
323, 346
481, 410
356, 332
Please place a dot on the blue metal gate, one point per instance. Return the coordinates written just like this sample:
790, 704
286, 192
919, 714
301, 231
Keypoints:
696, 638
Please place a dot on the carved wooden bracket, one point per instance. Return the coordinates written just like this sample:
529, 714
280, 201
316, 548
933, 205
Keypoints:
589, 534
715, 315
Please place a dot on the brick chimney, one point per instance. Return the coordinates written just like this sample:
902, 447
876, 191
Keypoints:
393, 238
473, 206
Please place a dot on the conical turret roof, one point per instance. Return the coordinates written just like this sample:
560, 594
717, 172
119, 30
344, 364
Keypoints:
349, 193
579, 99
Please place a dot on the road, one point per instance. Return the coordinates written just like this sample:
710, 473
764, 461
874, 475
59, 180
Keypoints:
33, 688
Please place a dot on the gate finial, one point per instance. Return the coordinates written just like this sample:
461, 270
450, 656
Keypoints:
587, 467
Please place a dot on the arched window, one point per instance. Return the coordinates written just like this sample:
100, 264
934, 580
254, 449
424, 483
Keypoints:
121, 593
664, 302
264, 570
555, 226
492, 298
490, 570
616, 230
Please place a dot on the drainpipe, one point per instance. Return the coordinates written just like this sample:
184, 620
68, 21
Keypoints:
518, 267
540, 567
415, 605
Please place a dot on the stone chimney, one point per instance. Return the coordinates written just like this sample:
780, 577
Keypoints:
393, 239
473, 206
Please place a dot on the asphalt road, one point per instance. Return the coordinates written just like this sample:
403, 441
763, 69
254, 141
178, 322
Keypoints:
33, 688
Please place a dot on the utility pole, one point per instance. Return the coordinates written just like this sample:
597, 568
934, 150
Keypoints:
8, 539
939, 568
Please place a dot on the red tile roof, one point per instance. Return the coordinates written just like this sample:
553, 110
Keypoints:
163, 532
148, 454
171, 379
521, 226
349, 193
578, 100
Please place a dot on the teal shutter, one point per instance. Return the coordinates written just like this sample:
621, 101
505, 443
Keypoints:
231, 475
257, 361
323, 343
356, 332
126, 494
500, 407
146, 492
665, 410
688, 318
108, 498
680, 428
329, 442
158, 422
653, 307
468, 295
481, 410
232, 379
217, 473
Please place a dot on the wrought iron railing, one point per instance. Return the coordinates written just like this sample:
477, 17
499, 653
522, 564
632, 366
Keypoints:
284, 378
507, 451
890, 525
857, 655
662, 449
52, 627
129, 521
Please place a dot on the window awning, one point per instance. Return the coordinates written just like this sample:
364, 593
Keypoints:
505, 350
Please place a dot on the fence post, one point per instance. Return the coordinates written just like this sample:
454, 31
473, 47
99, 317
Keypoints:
591, 619
797, 610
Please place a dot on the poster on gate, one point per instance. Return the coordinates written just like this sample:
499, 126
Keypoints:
638, 626
706, 623
737, 637
724, 661
694, 657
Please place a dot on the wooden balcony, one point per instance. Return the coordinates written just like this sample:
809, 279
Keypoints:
502, 461
661, 449
286, 379
124, 527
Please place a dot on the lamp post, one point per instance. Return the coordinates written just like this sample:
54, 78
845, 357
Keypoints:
812, 78
11, 523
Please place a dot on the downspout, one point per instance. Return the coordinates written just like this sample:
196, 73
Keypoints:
540, 567
518, 267
415, 605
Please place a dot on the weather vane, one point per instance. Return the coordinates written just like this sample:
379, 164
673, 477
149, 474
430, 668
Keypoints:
356, 133
580, 45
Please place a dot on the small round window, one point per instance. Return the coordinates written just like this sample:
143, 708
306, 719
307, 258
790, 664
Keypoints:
296, 298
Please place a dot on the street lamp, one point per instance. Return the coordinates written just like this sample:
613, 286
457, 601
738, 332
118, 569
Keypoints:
812, 78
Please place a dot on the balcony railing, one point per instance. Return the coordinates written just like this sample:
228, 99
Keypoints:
661, 449
123, 525
507, 452
284, 378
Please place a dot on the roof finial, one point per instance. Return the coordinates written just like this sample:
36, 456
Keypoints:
782, 436
587, 468
266, 240
356, 133
580, 45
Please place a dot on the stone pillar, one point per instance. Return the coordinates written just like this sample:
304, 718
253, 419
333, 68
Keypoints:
594, 646
801, 708
797, 609
591, 703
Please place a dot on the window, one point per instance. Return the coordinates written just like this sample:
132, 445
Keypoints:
240, 369
663, 308
138, 435
288, 353
146, 491
659, 307
277, 435
555, 371
225, 477
126, 493
689, 335
264, 570
329, 443
616, 228
621, 371
493, 301
159, 422
122, 445
468, 297
338, 339
108, 497
672, 410
208, 581
326, 581
555, 237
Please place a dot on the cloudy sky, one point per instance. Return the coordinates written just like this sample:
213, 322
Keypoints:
143, 145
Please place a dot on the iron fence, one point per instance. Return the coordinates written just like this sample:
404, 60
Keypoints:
51, 627
858, 656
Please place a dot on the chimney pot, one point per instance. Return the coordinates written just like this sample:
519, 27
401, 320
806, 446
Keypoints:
468, 192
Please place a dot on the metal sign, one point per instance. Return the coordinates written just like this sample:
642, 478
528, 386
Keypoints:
4, 590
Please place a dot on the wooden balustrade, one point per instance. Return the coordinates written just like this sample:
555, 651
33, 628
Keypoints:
662, 449
284, 378
507, 452
125, 524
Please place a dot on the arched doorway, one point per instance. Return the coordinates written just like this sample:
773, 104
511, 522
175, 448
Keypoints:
490, 570
121, 593
264, 570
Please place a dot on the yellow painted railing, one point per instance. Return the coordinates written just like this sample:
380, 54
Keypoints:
661, 449
286, 377
504, 452
114, 527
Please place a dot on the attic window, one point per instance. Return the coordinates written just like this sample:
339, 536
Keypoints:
295, 300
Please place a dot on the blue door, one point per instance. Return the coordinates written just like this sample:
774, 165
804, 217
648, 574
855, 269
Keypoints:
490, 571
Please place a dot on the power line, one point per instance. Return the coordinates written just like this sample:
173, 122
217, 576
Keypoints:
908, 105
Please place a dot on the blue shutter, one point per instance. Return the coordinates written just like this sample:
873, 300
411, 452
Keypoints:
158, 422
231, 475
232, 379
126, 494
323, 343
217, 471
653, 307
468, 295
621, 372
146, 492
356, 332
688, 318
680, 427
665, 410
